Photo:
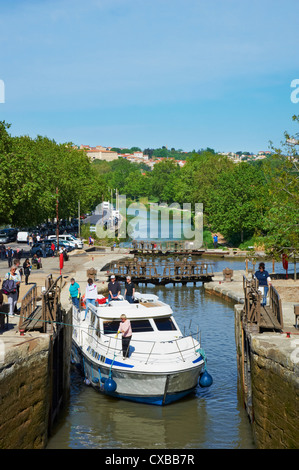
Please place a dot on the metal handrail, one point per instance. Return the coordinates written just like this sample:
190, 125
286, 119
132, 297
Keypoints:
141, 353
180, 351
150, 352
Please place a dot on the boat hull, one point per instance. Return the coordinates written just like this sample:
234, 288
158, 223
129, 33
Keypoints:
143, 387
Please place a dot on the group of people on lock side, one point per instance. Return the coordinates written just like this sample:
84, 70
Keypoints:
15, 275
10, 254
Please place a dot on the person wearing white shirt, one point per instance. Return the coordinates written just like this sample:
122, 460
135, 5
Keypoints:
91, 294
13, 296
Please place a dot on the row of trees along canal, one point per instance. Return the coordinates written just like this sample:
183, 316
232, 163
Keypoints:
251, 202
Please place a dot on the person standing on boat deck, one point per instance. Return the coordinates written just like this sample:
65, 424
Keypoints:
129, 290
114, 289
264, 280
91, 295
126, 330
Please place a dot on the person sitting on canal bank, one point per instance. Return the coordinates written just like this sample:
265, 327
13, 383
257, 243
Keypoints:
126, 330
75, 293
36, 262
114, 289
264, 281
91, 294
129, 290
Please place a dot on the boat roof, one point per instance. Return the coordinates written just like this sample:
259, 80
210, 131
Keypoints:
148, 307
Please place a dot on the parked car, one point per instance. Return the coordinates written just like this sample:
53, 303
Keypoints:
73, 241
37, 248
64, 244
22, 237
8, 235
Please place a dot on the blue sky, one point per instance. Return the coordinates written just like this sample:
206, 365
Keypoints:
182, 73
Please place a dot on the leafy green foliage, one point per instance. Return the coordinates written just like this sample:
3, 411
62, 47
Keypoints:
282, 219
32, 169
242, 201
238, 201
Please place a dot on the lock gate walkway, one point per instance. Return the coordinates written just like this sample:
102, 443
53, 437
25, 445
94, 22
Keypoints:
167, 272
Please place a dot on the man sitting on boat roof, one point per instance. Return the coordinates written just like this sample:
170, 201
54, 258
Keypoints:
114, 289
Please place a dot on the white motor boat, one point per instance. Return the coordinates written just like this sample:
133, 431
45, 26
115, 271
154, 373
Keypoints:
162, 366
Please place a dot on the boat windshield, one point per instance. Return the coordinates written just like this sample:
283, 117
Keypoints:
138, 326
164, 324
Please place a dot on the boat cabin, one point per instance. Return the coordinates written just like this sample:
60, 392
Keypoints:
150, 317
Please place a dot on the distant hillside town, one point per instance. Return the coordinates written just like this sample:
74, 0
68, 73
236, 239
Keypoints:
152, 156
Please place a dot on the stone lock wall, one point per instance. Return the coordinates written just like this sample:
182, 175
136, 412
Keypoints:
24, 394
270, 386
275, 401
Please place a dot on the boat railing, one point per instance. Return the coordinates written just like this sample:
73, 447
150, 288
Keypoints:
180, 347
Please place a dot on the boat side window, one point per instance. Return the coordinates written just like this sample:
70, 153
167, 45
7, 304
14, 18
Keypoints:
164, 324
139, 326
98, 329
92, 319
111, 327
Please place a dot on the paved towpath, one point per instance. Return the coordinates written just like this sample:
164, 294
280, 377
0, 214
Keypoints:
288, 291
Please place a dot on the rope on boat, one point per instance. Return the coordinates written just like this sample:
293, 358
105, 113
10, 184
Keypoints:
110, 370
205, 379
203, 354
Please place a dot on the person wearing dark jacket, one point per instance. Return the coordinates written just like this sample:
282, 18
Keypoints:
9, 254
114, 289
129, 290
27, 269
264, 281
3, 252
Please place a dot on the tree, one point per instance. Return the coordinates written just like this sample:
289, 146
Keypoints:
137, 185
238, 202
164, 178
282, 219
32, 169
198, 177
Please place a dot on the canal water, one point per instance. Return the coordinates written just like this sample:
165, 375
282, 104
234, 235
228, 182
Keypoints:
212, 418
